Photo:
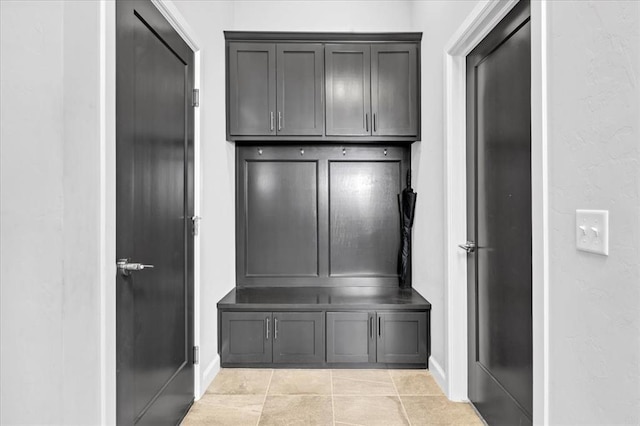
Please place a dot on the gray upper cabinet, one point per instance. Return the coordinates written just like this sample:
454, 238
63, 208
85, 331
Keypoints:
328, 87
348, 89
275, 89
252, 89
300, 68
394, 89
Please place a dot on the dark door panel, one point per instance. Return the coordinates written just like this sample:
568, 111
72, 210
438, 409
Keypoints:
394, 89
300, 68
351, 337
402, 337
348, 89
499, 152
247, 337
298, 337
154, 308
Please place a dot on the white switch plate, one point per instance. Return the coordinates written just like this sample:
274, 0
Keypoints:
592, 231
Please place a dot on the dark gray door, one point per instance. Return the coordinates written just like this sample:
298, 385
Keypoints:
300, 68
298, 337
402, 337
247, 337
252, 88
499, 221
394, 89
351, 337
348, 89
154, 192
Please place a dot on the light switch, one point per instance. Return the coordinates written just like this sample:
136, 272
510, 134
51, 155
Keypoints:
592, 231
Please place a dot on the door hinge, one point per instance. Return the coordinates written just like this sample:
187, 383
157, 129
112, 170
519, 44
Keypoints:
195, 225
196, 354
196, 98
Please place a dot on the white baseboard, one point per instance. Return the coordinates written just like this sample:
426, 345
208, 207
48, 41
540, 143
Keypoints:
209, 374
437, 372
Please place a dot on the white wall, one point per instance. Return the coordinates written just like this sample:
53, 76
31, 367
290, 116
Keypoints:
217, 236
594, 163
51, 359
438, 20
314, 15
82, 304
31, 203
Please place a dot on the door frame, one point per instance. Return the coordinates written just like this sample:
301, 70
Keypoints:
107, 105
482, 19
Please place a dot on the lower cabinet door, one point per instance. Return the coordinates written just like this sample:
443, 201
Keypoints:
402, 337
298, 337
351, 337
246, 337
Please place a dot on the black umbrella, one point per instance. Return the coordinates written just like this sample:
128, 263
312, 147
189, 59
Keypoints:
407, 201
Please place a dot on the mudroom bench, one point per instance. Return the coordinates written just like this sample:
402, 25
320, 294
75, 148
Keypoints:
324, 327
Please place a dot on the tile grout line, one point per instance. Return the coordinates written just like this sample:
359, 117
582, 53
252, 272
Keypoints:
361, 380
333, 408
264, 401
404, 410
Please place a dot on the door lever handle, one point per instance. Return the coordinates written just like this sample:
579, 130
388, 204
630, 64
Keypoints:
469, 246
125, 267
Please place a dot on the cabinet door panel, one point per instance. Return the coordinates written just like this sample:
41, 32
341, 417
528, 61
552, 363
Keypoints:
246, 337
252, 87
299, 89
350, 337
402, 337
298, 337
348, 89
394, 89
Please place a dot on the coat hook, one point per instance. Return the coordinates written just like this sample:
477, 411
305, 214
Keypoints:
385, 152
344, 151
259, 151
301, 151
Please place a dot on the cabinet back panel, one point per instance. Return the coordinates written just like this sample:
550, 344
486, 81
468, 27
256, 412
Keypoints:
282, 221
318, 215
364, 218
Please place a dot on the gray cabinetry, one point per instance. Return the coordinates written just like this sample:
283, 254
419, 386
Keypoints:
245, 337
348, 89
289, 327
330, 87
402, 337
252, 89
265, 337
298, 337
275, 89
372, 89
394, 89
351, 337
383, 337
299, 74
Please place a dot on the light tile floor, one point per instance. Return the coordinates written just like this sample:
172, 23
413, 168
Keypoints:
327, 397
